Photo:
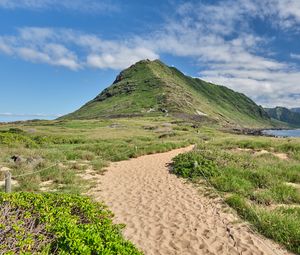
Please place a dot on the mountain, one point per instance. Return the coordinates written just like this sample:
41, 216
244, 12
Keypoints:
150, 88
295, 109
285, 115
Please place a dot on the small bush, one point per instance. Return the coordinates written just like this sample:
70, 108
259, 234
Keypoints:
193, 164
58, 224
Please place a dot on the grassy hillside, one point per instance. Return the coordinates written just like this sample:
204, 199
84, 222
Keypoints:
151, 88
285, 115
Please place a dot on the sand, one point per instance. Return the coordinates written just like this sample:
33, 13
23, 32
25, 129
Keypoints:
282, 156
165, 215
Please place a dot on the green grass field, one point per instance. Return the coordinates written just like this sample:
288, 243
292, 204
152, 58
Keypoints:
261, 186
75, 146
58, 153
258, 176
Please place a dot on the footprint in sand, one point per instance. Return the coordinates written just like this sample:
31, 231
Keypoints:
165, 215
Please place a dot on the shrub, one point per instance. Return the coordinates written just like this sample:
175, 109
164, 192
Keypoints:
193, 164
63, 224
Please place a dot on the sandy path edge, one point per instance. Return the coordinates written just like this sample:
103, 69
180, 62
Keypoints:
165, 215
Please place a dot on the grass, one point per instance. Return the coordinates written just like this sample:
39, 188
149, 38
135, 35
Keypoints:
58, 153
262, 188
149, 88
91, 143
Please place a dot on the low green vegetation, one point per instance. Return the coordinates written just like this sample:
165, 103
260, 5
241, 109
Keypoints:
151, 88
58, 224
50, 159
59, 152
259, 176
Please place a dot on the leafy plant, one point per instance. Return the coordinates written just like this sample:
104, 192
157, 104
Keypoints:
58, 224
193, 164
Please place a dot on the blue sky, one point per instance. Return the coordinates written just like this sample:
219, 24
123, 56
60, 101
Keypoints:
55, 55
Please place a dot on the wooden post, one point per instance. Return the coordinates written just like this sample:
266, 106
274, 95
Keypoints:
7, 182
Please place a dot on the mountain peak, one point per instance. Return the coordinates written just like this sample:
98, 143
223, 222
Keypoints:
150, 88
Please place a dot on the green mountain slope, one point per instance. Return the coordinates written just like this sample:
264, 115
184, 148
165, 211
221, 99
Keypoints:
284, 115
152, 88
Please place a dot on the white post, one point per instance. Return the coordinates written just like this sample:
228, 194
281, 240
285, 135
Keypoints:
7, 182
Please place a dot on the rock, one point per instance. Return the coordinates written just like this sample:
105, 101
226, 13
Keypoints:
116, 125
34, 161
151, 110
17, 159
119, 78
4, 169
201, 113
46, 183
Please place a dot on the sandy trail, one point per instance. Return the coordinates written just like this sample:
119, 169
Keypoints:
165, 215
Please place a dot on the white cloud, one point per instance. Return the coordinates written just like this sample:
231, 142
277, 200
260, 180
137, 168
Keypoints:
33, 55
295, 56
4, 47
287, 11
120, 58
229, 52
35, 45
218, 37
73, 5
73, 49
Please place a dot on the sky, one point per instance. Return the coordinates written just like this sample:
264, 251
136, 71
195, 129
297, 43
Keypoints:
55, 55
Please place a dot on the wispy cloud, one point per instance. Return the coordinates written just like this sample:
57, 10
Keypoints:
37, 45
102, 6
61, 47
218, 37
295, 56
285, 13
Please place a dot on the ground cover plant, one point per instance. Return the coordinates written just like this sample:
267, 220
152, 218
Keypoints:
58, 224
258, 176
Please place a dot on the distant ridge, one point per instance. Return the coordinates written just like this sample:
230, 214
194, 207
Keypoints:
150, 88
295, 109
289, 116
